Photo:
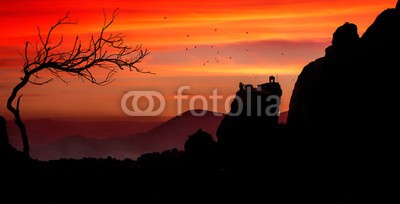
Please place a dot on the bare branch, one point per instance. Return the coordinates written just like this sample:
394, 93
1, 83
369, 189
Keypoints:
105, 52
26, 58
41, 83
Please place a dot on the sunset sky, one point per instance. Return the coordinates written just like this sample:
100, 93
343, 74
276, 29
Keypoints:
204, 44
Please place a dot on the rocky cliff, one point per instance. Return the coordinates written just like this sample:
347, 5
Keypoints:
355, 77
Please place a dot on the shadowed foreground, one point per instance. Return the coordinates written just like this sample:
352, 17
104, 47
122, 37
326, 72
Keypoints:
285, 170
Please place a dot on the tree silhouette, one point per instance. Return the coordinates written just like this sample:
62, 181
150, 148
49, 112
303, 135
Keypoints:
106, 52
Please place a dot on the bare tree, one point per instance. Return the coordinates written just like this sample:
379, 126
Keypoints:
106, 51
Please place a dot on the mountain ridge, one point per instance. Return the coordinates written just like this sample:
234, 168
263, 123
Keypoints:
156, 139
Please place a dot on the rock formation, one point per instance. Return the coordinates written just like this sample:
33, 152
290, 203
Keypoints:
349, 89
3, 133
200, 146
253, 115
7, 152
344, 102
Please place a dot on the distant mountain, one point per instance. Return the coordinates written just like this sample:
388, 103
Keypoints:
283, 117
171, 134
46, 131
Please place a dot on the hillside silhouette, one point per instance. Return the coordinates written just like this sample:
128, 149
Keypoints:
344, 99
342, 102
337, 146
168, 135
47, 131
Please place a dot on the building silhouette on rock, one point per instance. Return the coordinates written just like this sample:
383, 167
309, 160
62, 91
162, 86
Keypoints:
254, 112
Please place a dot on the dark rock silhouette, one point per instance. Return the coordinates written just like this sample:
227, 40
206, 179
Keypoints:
354, 78
346, 36
341, 103
9, 156
323, 92
201, 146
3, 133
253, 112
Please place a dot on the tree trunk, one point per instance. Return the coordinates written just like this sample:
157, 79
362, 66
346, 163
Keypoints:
15, 112
22, 130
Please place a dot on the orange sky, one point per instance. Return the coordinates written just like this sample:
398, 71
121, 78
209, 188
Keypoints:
262, 37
